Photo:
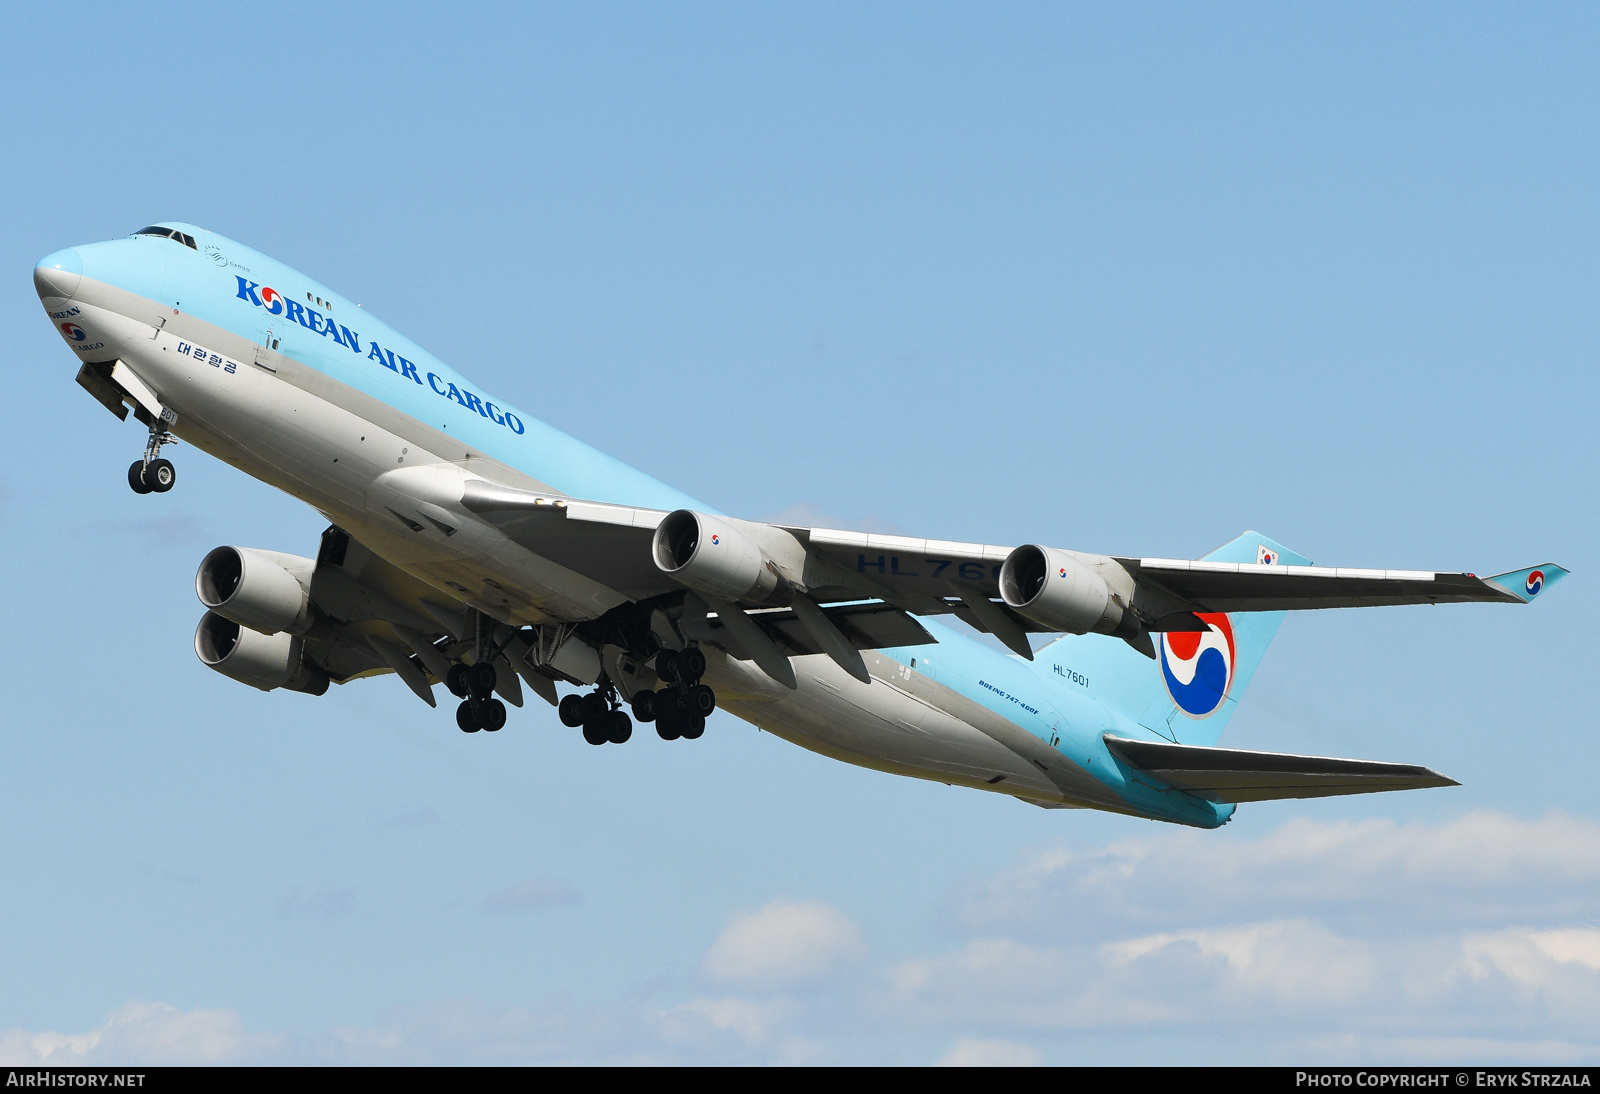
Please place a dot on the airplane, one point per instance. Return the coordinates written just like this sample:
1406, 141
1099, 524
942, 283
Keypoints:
474, 546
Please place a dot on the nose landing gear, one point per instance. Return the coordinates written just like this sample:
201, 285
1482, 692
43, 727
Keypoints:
153, 474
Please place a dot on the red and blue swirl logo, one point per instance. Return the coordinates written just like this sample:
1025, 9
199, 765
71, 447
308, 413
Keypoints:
715, 539
74, 332
1534, 583
1198, 665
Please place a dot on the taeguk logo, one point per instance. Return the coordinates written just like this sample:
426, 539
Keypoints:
1534, 583
74, 332
1197, 666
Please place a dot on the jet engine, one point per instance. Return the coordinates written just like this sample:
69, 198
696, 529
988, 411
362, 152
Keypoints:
265, 591
711, 556
1055, 588
264, 661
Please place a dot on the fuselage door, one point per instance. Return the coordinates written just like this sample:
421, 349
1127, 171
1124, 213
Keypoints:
267, 345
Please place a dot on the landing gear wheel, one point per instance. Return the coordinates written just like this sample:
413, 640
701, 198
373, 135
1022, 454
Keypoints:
492, 715
693, 727
136, 478
667, 666
456, 681
644, 706
467, 718
160, 475
668, 729
691, 665
671, 703
595, 732
570, 711
481, 678
595, 707
702, 700
619, 727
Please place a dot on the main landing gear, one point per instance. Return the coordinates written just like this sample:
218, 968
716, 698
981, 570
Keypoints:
599, 713
479, 708
153, 474
678, 710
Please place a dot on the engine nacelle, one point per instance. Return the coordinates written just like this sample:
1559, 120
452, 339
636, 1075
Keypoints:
256, 588
264, 661
711, 556
1054, 588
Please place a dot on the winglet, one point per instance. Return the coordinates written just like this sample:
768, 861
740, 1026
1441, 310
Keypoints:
1529, 583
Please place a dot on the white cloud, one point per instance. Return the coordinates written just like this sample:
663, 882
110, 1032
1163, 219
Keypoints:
1471, 941
1370, 933
977, 1052
142, 1033
784, 944
1480, 869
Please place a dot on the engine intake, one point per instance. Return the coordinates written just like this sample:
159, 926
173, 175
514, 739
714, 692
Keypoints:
711, 556
264, 661
1055, 588
256, 589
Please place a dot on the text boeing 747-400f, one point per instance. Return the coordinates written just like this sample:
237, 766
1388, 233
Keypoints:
472, 545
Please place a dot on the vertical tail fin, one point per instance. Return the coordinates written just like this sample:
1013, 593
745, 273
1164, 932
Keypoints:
1188, 693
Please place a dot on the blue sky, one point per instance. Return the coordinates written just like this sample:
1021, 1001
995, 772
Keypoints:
1127, 279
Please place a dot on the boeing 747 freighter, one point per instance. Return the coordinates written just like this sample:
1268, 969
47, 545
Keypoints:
473, 546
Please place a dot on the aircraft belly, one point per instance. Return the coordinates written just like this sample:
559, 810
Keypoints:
875, 725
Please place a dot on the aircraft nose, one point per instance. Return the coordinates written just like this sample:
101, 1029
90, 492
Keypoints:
58, 274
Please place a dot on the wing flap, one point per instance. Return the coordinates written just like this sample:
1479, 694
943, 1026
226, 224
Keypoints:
1237, 775
605, 543
867, 626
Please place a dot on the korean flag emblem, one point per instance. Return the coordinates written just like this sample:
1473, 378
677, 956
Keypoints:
1265, 556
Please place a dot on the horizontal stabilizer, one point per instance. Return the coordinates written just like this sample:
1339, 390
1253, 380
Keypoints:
1235, 775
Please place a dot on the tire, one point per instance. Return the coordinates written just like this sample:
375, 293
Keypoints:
671, 703
595, 732
619, 727
644, 706
693, 727
571, 710
667, 666
466, 719
160, 476
456, 681
668, 729
702, 700
691, 665
594, 707
136, 478
492, 715
482, 678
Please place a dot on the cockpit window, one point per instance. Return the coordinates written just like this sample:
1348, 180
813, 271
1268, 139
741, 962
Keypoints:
168, 233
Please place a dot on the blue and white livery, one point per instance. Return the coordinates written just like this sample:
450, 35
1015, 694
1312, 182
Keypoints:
472, 545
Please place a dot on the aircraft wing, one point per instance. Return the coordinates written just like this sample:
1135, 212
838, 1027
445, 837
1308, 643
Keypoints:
1247, 587
612, 545
608, 543
1237, 775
